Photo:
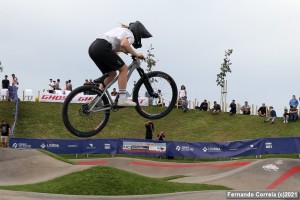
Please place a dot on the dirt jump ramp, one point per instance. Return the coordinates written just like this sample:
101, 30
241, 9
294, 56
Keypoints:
25, 166
278, 174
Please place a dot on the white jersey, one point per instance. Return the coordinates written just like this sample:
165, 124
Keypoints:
182, 93
116, 35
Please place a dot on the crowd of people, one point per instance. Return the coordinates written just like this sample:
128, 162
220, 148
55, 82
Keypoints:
55, 85
6, 83
149, 125
289, 115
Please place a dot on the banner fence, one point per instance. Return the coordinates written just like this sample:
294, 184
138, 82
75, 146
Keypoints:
253, 147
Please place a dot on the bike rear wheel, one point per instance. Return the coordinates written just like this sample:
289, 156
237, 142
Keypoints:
84, 113
161, 102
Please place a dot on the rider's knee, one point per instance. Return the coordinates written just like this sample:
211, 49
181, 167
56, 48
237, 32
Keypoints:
124, 69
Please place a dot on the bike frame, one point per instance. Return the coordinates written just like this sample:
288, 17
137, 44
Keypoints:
135, 65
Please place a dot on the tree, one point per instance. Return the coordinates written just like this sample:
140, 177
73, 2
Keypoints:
225, 68
1, 68
150, 59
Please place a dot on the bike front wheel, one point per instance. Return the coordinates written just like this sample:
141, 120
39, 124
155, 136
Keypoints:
85, 113
163, 97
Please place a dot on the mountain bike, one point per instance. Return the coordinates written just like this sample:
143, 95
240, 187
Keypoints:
86, 109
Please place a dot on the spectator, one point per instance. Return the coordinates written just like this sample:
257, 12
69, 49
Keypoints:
183, 98
5, 82
203, 105
246, 109
51, 86
160, 99
262, 110
14, 80
5, 131
149, 130
69, 85
272, 115
56, 85
293, 113
91, 82
286, 115
216, 108
114, 92
86, 82
294, 102
161, 136
232, 107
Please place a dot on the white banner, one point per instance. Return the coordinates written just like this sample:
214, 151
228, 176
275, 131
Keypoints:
81, 98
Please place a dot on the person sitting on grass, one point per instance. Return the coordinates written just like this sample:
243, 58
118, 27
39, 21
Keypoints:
216, 108
262, 110
246, 109
285, 115
272, 116
293, 113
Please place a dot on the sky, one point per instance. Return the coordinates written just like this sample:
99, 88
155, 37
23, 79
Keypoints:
50, 39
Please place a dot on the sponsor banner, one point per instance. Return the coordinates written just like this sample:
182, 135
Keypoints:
99, 146
49, 97
81, 98
66, 146
183, 149
281, 146
143, 147
162, 148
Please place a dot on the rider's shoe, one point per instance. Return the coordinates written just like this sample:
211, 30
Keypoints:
126, 102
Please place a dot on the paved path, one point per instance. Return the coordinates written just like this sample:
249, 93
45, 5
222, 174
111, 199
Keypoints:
31, 166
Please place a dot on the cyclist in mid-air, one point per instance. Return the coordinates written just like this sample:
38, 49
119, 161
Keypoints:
103, 51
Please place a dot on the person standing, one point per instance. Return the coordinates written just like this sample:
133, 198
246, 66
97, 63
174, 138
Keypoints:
5, 131
149, 130
294, 102
232, 107
51, 86
182, 98
69, 85
14, 80
5, 82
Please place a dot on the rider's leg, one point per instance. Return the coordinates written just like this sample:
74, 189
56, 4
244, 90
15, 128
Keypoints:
111, 76
122, 82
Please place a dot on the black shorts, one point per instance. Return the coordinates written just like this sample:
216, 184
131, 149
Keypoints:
104, 57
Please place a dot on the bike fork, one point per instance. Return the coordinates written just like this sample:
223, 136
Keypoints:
147, 83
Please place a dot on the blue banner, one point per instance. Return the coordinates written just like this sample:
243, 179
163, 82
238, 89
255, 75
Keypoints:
252, 147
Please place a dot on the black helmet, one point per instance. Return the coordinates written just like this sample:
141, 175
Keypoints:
139, 31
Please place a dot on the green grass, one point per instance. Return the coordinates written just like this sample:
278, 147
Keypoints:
43, 120
109, 181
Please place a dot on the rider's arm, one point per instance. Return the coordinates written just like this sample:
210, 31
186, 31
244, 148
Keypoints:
128, 49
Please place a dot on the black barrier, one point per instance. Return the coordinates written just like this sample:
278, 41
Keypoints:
253, 147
